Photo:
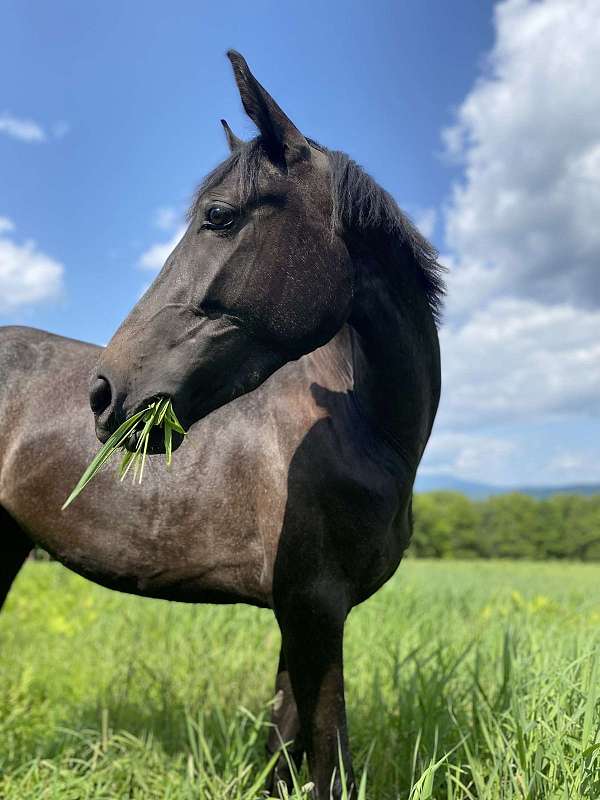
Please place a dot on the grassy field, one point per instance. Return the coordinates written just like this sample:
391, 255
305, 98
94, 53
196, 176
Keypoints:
464, 680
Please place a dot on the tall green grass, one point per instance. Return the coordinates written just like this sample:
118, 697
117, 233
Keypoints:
465, 681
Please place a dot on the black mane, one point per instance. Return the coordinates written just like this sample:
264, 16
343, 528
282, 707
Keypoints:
360, 204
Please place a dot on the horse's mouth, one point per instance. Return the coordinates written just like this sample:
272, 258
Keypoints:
156, 445
156, 441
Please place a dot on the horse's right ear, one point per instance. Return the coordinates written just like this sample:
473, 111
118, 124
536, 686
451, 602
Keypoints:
282, 138
232, 140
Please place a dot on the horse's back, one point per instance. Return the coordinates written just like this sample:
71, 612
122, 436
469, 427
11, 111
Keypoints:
43, 384
29, 357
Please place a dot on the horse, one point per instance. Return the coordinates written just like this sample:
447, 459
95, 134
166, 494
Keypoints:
294, 328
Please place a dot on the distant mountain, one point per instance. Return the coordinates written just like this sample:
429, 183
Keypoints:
542, 492
480, 491
448, 483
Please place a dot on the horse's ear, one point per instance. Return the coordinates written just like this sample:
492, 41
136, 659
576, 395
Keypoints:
279, 134
232, 140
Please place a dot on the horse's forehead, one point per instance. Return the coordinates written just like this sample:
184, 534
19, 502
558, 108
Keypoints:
269, 179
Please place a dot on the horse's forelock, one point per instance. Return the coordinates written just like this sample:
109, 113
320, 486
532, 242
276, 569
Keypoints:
246, 162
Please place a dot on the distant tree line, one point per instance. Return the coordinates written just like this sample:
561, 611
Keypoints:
449, 525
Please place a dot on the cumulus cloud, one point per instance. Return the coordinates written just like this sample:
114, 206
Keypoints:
466, 455
425, 219
154, 257
26, 130
574, 465
528, 135
518, 456
6, 225
27, 275
517, 359
521, 343
166, 218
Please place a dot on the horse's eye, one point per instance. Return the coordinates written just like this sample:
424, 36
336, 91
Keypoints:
219, 217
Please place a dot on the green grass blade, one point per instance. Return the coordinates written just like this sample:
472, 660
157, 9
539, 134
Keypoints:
117, 438
163, 407
144, 451
168, 433
125, 464
173, 421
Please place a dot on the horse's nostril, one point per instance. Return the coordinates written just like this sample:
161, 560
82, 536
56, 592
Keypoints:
100, 395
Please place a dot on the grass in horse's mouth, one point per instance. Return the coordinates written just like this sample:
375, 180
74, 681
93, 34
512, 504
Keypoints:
136, 429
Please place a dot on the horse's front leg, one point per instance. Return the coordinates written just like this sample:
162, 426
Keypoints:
15, 549
312, 619
285, 730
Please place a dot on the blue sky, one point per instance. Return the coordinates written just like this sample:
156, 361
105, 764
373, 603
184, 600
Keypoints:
109, 116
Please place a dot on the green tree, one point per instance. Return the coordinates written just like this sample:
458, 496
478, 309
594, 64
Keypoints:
445, 526
449, 525
509, 524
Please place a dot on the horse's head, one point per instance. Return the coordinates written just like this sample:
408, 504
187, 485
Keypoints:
259, 278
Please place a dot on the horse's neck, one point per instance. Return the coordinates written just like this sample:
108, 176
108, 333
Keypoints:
395, 356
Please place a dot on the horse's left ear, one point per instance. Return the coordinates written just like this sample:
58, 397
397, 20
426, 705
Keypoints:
234, 142
279, 133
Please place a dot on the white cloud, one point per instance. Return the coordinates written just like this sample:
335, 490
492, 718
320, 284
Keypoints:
155, 256
574, 466
516, 457
467, 455
6, 225
26, 130
166, 218
27, 275
521, 345
425, 219
528, 134
516, 359
469, 286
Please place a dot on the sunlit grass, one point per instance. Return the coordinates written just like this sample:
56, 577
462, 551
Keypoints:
465, 681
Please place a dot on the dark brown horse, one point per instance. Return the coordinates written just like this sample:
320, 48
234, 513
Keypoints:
294, 328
